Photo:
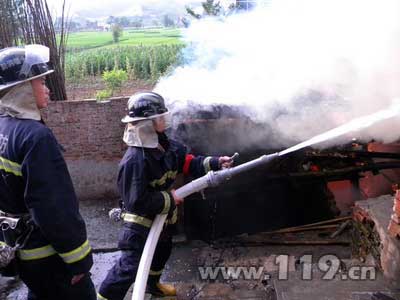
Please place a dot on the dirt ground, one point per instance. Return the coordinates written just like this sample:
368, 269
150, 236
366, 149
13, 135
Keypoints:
87, 88
187, 257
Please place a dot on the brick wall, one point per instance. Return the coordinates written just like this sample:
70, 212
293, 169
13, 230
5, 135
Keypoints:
91, 134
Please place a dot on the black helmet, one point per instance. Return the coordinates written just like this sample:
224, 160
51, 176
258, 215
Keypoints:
143, 106
18, 65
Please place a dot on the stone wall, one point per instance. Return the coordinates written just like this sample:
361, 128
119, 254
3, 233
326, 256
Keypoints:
91, 134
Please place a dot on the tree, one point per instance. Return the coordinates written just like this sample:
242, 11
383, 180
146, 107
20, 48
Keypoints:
72, 25
185, 22
123, 21
116, 32
210, 8
245, 4
137, 22
111, 20
114, 80
192, 13
168, 21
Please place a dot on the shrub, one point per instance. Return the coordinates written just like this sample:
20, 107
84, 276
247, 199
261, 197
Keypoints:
114, 79
103, 95
116, 32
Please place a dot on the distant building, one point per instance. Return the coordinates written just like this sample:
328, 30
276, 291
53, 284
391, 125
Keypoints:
104, 26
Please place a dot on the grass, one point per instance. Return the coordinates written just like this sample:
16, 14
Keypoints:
130, 37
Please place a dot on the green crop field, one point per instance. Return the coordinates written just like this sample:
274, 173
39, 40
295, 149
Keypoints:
93, 39
144, 53
141, 62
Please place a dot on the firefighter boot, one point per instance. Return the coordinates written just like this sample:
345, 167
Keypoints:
161, 290
158, 289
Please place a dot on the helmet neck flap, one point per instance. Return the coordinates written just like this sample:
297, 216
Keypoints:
20, 103
141, 134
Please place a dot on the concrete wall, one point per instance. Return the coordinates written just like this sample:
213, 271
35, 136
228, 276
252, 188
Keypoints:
91, 134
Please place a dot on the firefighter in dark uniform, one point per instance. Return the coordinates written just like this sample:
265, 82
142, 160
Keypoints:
53, 256
146, 173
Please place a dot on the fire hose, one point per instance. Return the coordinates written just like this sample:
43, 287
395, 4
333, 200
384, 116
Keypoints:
211, 179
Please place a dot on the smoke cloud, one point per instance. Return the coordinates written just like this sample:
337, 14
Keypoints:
300, 67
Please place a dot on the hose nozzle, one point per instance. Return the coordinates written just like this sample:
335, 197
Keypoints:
234, 156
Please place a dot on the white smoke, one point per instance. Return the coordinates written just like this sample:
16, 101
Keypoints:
304, 66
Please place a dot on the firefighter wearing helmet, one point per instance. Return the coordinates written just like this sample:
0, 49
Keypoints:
146, 174
39, 212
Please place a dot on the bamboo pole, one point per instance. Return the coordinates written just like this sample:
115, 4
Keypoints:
288, 229
283, 242
301, 229
29, 21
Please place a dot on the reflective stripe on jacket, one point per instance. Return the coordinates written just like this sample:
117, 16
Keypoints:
34, 179
146, 175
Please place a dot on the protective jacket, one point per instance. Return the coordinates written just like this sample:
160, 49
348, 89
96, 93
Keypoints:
34, 180
145, 178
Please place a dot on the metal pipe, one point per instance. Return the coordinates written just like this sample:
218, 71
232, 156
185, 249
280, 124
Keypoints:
211, 179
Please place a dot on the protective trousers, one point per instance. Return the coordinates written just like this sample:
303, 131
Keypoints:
48, 279
123, 273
